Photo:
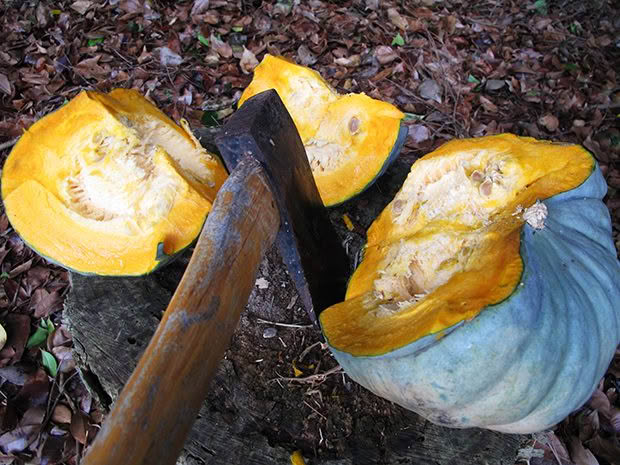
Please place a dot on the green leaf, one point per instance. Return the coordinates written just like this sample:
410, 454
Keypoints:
49, 363
571, 67
95, 41
541, 7
237, 28
398, 40
39, 337
209, 118
413, 117
4, 275
203, 40
55, 12
473, 79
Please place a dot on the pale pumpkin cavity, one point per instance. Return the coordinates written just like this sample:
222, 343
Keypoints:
448, 244
100, 185
347, 137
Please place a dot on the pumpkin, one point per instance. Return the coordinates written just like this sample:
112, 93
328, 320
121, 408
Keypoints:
489, 291
350, 140
109, 185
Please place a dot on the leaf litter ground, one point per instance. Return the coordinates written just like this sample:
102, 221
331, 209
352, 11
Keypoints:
546, 69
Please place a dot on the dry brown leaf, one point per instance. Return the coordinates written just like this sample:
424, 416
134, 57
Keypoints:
62, 414
18, 328
396, 19
385, 54
550, 122
352, 61
199, 6
81, 6
430, 90
419, 133
78, 428
64, 355
488, 105
221, 47
304, 56
167, 57
248, 61
579, 454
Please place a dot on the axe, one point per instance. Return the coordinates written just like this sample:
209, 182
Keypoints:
270, 196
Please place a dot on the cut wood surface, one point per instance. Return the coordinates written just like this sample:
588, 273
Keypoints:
268, 397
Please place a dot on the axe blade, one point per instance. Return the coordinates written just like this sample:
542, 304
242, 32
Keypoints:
307, 241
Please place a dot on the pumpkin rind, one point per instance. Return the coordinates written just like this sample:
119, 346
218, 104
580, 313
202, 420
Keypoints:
350, 139
74, 180
522, 364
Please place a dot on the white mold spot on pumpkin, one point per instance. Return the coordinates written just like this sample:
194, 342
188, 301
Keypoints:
536, 215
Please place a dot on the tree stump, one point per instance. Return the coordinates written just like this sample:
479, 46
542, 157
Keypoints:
277, 390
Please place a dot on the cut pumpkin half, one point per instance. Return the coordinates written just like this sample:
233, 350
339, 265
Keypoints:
109, 185
350, 140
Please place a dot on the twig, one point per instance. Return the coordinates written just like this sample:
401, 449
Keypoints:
308, 349
319, 377
286, 325
8, 144
315, 410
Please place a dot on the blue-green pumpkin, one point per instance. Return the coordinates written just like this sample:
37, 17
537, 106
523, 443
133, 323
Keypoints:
489, 293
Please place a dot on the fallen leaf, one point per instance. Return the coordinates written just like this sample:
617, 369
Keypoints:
579, 454
18, 328
385, 54
17, 374
49, 363
305, 56
430, 90
42, 14
248, 61
396, 19
419, 133
550, 122
64, 355
78, 427
488, 105
167, 57
62, 414
221, 47
352, 61
90, 68
81, 6
199, 6
20, 269
44, 303
19, 438
494, 84
131, 6
5, 85
2, 337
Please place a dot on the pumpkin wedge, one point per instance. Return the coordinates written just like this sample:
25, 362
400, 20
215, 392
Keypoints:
489, 292
109, 185
350, 140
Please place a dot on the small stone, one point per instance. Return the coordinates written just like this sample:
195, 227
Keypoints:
270, 332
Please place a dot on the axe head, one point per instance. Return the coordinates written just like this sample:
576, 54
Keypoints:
308, 244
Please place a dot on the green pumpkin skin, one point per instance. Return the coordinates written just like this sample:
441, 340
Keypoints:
524, 364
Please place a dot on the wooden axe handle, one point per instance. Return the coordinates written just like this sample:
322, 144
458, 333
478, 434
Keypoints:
153, 414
